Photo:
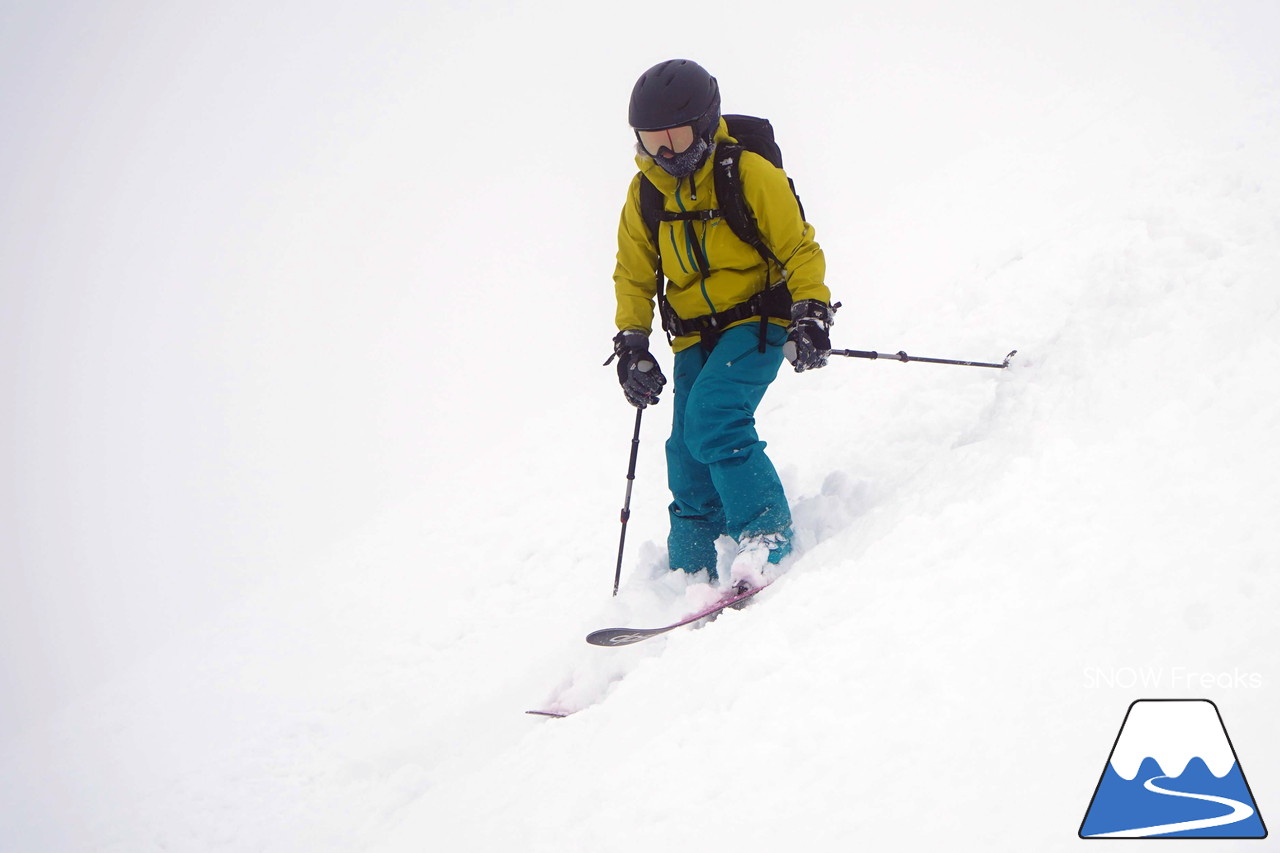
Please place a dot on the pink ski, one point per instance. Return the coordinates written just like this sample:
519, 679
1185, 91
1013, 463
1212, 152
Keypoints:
627, 636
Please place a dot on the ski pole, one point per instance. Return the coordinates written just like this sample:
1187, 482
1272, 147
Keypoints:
902, 356
626, 505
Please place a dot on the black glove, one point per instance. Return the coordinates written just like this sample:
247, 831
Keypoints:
638, 370
808, 340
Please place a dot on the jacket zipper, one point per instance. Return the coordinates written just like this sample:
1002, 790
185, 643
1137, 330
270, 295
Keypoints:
702, 280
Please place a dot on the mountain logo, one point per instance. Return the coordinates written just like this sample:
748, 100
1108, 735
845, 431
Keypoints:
1173, 773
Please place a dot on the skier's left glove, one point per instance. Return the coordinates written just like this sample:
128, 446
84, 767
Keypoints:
808, 337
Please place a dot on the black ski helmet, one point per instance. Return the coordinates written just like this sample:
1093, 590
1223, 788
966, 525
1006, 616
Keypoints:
673, 93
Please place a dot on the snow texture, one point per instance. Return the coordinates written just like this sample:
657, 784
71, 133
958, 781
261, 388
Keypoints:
312, 471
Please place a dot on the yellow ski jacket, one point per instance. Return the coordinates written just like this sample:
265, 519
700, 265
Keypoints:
737, 270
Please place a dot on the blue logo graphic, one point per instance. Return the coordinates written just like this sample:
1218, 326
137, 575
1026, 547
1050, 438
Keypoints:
1173, 773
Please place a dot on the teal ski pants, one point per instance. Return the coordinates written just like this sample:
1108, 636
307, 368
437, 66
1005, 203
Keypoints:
721, 480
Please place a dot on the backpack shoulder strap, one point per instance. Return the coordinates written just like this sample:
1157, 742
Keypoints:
650, 206
651, 211
733, 201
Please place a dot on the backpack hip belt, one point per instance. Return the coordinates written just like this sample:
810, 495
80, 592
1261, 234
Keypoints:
773, 301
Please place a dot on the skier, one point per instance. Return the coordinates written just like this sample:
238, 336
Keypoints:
731, 312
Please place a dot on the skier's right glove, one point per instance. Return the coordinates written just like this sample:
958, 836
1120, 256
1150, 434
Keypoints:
638, 370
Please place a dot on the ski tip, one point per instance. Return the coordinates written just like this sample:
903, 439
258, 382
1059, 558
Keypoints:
556, 714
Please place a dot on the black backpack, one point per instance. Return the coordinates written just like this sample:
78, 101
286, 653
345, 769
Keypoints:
755, 135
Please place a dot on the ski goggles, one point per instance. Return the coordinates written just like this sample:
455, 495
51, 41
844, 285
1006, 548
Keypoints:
675, 139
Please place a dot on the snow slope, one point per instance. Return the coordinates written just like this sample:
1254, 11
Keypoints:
994, 563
